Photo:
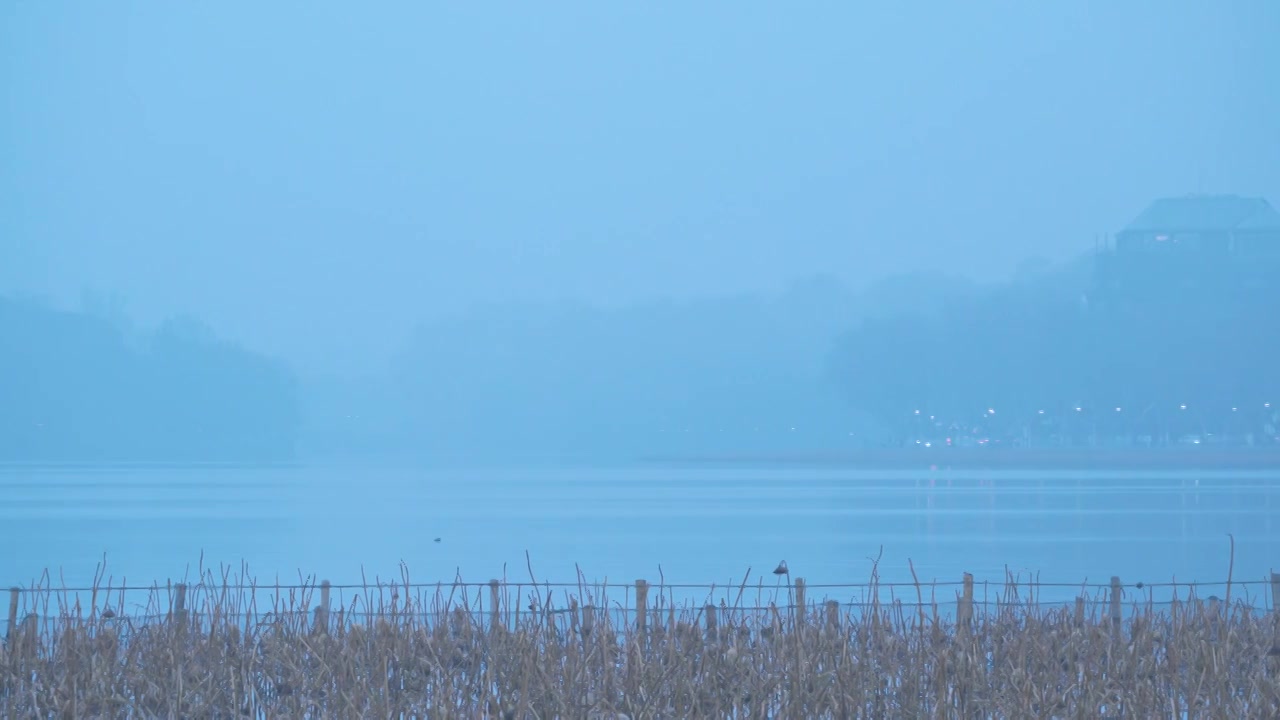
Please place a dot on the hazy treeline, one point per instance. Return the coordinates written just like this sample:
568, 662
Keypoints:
565, 381
817, 367
504, 383
1150, 343
77, 386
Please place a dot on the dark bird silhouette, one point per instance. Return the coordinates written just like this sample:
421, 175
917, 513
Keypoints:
781, 569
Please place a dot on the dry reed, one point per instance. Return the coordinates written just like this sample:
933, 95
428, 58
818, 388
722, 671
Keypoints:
397, 650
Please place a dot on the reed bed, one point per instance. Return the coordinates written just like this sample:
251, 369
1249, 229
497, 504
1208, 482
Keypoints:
399, 650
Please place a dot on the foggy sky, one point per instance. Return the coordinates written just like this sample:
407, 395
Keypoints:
314, 178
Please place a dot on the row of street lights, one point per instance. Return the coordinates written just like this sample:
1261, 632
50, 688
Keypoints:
1169, 421
1081, 408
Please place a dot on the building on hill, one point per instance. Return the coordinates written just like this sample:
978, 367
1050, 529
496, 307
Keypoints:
1183, 245
1182, 300
1205, 224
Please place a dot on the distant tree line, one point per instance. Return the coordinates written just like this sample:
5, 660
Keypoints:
78, 387
556, 382
1055, 342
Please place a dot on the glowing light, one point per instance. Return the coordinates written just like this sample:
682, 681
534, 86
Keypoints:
1182, 407
1117, 409
1078, 409
1041, 412
991, 411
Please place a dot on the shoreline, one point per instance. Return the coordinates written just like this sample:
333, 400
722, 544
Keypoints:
1196, 458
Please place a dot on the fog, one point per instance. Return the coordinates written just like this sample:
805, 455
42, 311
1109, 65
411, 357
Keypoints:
593, 232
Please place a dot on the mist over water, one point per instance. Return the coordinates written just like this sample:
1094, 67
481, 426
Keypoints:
685, 525
310, 290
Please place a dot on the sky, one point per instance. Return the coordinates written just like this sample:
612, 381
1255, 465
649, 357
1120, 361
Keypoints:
315, 178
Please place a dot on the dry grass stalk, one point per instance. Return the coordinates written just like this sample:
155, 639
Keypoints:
400, 650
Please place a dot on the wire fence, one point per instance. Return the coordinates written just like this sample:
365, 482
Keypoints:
44, 587
47, 610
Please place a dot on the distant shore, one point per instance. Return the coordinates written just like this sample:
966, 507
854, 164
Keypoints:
1174, 458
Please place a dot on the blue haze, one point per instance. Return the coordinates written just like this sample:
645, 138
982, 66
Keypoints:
312, 180
366, 241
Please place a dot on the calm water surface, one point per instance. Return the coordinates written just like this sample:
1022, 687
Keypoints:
696, 525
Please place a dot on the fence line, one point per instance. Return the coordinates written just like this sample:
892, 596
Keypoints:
506, 604
631, 611
38, 587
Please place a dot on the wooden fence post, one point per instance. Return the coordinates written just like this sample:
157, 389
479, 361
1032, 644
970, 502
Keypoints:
1079, 610
833, 615
642, 606
180, 603
322, 612
964, 613
11, 628
588, 619
800, 601
1275, 592
711, 620
1116, 590
495, 613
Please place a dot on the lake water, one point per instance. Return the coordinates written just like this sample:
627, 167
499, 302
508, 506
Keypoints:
698, 524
